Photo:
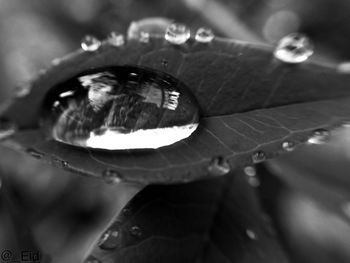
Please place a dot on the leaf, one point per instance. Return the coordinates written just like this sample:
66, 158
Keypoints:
217, 220
249, 102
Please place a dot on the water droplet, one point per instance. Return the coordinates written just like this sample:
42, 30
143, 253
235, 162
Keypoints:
120, 108
109, 240
254, 181
258, 157
135, 231
22, 90
144, 37
111, 176
288, 146
164, 62
204, 35
319, 136
90, 43
219, 166
7, 128
251, 234
115, 39
154, 26
294, 48
250, 170
177, 34
60, 162
35, 153
56, 61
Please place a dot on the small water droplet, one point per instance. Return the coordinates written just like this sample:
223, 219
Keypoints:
35, 153
119, 108
288, 146
294, 48
254, 181
251, 234
60, 162
177, 34
250, 170
319, 136
22, 90
204, 35
164, 62
7, 128
115, 39
111, 176
135, 231
258, 157
109, 240
144, 37
90, 43
219, 166
56, 61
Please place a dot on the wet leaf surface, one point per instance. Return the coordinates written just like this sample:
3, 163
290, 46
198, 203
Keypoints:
216, 220
249, 102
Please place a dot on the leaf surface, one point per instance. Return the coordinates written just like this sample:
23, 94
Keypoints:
216, 220
249, 103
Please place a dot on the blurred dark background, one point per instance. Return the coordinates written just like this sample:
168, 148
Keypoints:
66, 212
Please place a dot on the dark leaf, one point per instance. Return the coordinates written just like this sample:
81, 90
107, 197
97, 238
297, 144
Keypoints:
241, 89
217, 220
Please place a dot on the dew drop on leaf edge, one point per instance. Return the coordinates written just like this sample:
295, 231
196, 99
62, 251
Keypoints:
219, 166
294, 48
115, 39
90, 43
120, 108
258, 157
288, 146
204, 35
109, 240
177, 34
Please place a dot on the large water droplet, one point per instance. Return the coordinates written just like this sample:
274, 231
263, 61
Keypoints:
258, 157
204, 35
153, 26
319, 136
120, 108
115, 39
111, 176
7, 128
294, 48
135, 231
177, 34
90, 43
219, 166
109, 240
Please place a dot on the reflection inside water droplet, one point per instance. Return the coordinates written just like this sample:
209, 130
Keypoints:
294, 48
119, 108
